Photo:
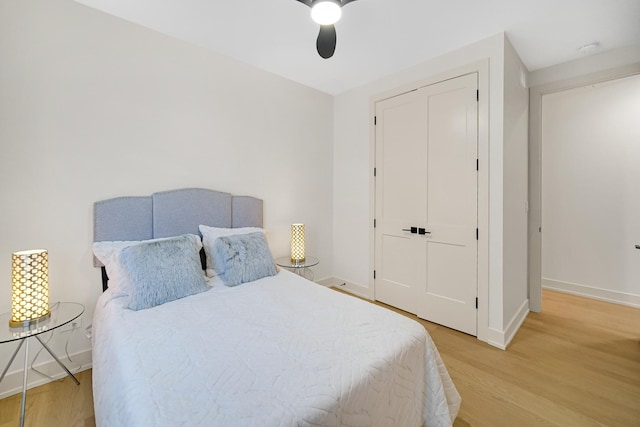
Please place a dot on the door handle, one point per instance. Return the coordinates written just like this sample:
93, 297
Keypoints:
417, 230
637, 246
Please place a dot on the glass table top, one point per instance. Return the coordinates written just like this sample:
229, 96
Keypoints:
61, 314
285, 261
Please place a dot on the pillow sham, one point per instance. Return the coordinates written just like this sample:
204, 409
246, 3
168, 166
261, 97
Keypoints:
108, 252
163, 271
209, 236
243, 258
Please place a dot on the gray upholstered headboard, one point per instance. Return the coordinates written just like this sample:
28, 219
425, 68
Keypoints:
171, 213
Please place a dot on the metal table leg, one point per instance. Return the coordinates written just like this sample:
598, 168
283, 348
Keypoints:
11, 361
58, 360
24, 381
26, 371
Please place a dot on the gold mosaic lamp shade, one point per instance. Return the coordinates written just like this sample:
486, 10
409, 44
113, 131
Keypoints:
297, 243
29, 287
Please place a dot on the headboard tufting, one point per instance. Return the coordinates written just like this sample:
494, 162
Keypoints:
171, 213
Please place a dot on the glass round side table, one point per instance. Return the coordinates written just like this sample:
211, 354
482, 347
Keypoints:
62, 313
300, 268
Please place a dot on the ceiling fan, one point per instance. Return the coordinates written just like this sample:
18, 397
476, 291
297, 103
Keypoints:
326, 13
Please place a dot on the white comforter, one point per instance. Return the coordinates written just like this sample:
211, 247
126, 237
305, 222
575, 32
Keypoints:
280, 351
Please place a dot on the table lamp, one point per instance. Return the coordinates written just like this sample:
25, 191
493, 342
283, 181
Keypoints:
29, 287
297, 243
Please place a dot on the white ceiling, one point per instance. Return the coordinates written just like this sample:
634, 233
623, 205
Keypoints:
379, 37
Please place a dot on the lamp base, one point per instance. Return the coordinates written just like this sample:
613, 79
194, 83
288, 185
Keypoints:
30, 322
297, 261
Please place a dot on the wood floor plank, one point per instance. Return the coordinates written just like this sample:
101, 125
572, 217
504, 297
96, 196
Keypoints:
59, 403
575, 364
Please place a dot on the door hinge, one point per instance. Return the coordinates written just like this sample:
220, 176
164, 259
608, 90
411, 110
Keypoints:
375, 171
374, 223
477, 95
374, 274
476, 302
477, 234
477, 164
375, 120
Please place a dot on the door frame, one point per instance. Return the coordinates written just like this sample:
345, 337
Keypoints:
482, 70
535, 167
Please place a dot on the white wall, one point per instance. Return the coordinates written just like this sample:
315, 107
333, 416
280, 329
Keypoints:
352, 219
590, 190
516, 119
93, 107
352, 174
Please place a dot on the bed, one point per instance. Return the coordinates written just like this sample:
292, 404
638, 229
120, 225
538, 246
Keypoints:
275, 351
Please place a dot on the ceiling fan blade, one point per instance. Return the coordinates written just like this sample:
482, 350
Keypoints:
310, 2
326, 43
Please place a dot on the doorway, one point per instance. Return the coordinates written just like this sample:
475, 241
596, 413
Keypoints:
584, 187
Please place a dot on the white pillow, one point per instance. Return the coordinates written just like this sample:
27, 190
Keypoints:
209, 236
108, 252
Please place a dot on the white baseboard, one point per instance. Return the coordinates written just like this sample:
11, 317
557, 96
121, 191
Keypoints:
327, 281
501, 339
12, 382
600, 294
496, 338
351, 287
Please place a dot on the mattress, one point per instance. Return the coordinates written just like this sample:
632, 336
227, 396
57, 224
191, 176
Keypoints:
280, 351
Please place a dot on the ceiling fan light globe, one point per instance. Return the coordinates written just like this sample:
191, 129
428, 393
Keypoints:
326, 12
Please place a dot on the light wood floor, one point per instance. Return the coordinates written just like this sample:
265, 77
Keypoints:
575, 364
57, 404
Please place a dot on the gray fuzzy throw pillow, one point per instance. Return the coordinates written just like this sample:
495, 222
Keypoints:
242, 258
163, 270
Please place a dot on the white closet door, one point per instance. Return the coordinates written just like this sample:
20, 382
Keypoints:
426, 151
401, 199
449, 297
